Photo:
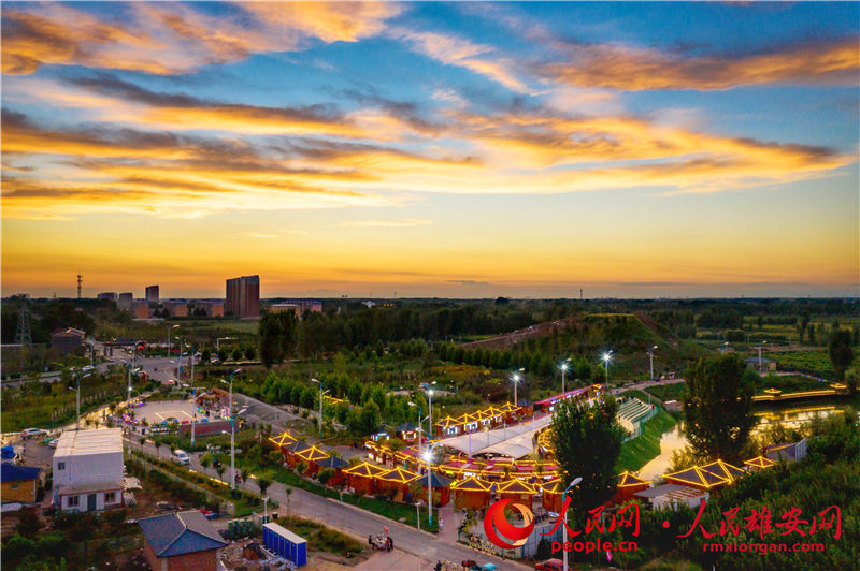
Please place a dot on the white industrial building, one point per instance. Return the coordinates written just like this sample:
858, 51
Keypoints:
88, 470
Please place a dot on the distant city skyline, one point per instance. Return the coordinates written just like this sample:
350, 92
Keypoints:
447, 149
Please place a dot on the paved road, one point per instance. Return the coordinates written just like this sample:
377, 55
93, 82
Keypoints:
355, 522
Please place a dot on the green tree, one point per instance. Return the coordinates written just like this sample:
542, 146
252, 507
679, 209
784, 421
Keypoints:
220, 469
205, 356
841, 354
588, 443
237, 354
29, 524
263, 484
206, 461
719, 407
369, 417
250, 353
278, 336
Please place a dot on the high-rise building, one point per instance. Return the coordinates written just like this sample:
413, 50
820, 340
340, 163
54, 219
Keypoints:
107, 295
152, 294
243, 297
125, 301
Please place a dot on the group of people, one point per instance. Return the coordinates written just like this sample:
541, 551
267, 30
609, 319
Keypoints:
389, 543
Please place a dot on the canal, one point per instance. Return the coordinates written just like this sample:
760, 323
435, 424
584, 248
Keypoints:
791, 417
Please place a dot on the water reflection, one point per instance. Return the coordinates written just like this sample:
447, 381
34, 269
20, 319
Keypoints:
674, 439
670, 442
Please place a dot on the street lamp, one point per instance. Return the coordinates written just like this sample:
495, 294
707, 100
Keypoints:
760, 343
428, 456
564, 531
564, 367
78, 380
607, 356
180, 342
232, 432
319, 423
169, 327
516, 379
651, 360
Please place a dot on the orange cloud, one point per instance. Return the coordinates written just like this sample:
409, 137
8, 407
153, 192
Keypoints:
634, 69
164, 38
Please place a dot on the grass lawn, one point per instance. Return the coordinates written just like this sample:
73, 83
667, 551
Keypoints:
383, 507
790, 384
322, 538
676, 391
637, 452
812, 362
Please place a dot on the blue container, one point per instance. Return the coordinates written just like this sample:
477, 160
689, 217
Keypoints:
285, 543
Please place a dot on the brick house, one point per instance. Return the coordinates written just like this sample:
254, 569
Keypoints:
181, 541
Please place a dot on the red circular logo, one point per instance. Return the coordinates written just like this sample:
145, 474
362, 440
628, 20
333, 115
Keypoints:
496, 517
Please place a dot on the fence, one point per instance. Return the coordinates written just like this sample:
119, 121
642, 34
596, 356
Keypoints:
223, 506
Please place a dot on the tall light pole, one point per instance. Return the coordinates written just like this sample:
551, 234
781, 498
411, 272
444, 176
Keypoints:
760, 343
564, 531
516, 379
607, 356
319, 422
232, 432
78, 380
428, 456
179, 359
430, 424
651, 360
564, 367
169, 327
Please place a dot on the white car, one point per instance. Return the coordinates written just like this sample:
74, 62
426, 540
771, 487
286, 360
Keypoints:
34, 432
181, 458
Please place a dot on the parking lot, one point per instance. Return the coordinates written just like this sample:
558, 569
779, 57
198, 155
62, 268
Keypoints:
157, 412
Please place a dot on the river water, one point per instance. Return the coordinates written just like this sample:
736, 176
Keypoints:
674, 439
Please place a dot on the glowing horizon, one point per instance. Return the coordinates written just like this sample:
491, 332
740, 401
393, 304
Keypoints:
466, 150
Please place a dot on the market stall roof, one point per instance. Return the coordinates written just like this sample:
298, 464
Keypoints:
553, 487
436, 480
471, 485
628, 479
331, 462
724, 470
760, 462
398, 475
516, 487
448, 422
567, 395
296, 446
364, 469
514, 441
508, 407
283, 438
695, 476
312, 454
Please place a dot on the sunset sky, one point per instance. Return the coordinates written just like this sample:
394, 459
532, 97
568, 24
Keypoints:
458, 149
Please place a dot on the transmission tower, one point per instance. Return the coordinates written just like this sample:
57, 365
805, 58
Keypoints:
80, 284
22, 333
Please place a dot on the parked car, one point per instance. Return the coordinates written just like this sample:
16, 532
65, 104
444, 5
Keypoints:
550, 565
34, 432
180, 457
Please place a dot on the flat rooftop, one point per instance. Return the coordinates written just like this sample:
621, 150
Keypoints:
94, 441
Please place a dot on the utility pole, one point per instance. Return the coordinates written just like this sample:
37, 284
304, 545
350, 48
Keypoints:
651, 360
